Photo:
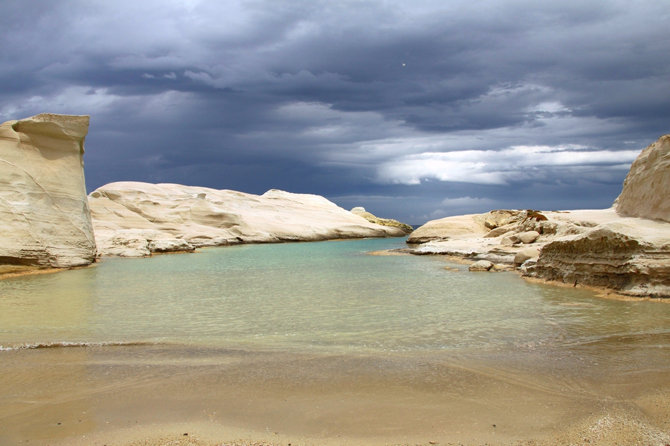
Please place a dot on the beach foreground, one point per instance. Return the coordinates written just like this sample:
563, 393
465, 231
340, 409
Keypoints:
613, 393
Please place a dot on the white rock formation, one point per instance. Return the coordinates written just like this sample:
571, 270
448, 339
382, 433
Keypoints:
468, 236
646, 190
602, 248
44, 213
458, 227
135, 219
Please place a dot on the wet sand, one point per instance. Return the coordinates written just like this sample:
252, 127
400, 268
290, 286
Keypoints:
615, 392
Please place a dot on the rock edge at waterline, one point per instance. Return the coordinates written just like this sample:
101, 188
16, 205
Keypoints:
133, 219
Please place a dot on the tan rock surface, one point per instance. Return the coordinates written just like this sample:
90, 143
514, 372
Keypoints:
381, 221
481, 265
630, 255
44, 213
135, 219
585, 247
528, 237
526, 254
646, 190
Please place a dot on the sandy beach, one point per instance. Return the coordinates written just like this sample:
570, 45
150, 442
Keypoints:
155, 395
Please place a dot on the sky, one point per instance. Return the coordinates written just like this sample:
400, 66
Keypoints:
415, 110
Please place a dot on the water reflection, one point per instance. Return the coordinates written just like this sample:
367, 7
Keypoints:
47, 307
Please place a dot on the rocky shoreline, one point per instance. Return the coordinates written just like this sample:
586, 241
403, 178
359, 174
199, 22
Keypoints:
625, 249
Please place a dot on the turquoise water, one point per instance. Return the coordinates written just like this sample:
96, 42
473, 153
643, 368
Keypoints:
326, 296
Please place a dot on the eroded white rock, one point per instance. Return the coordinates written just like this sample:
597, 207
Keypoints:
44, 214
135, 219
646, 190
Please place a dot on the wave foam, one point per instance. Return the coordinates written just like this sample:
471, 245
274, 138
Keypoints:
39, 345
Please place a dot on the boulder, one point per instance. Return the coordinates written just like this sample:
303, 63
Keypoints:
44, 212
510, 240
646, 190
525, 254
481, 265
528, 237
137, 219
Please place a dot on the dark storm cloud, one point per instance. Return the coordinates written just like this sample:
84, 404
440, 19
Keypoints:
413, 109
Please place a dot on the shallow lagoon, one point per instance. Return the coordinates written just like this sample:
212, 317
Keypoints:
369, 337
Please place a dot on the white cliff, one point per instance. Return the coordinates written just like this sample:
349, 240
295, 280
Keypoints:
44, 213
136, 219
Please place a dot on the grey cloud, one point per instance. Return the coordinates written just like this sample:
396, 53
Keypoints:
322, 96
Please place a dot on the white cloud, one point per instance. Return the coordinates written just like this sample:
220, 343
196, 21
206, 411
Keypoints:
496, 167
549, 107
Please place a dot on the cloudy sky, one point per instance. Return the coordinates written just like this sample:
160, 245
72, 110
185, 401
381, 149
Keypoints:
413, 109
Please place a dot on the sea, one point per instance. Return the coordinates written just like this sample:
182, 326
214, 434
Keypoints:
322, 318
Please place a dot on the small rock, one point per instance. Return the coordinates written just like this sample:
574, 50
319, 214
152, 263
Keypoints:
490, 224
500, 267
510, 240
525, 254
481, 265
497, 232
528, 237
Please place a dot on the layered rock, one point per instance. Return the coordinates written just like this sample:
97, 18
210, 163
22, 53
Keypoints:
631, 256
137, 219
44, 214
382, 221
646, 190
